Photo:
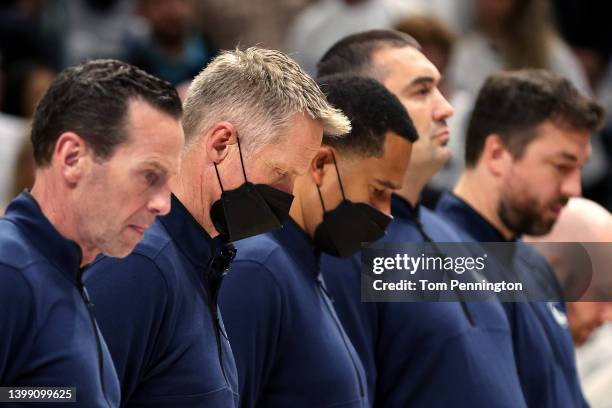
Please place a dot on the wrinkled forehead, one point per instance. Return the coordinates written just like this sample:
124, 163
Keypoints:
290, 154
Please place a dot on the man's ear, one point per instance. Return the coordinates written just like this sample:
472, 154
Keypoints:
317, 167
71, 155
495, 155
222, 135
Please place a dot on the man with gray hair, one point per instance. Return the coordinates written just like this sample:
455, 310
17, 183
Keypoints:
253, 122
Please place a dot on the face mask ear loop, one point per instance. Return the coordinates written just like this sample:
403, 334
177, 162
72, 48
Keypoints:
241, 161
218, 178
321, 198
339, 180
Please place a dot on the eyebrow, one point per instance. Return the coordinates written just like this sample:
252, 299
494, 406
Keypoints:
388, 184
569, 156
422, 80
428, 80
156, 165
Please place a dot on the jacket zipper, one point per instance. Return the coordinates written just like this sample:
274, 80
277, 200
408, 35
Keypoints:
92, 319
327, 300
212, 306
427, 238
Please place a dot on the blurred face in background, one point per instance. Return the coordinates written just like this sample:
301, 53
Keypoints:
491, 12
585, 317
171, 20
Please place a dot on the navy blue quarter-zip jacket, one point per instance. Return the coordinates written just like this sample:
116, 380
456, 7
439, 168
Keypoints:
290, 347
157, 309
48, 335
543, 347
426, 354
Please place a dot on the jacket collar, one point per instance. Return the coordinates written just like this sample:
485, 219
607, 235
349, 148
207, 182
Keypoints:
469, 220
188, 234
402, 208
64, 254
293, 237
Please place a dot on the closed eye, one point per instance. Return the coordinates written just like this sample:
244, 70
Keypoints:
151, 178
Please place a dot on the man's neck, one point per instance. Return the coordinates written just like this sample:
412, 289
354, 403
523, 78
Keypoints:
192, 189
297, 214
63, 221
483, 198
415, 181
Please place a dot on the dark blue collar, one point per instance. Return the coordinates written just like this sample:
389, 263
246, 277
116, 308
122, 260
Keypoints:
402, 208
188, 234
64, 254
468, 219
293, 237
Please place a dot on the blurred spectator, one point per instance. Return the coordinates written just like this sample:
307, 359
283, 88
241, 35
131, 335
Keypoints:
21, 37
173, 49
592, 44
89, 28
512, 34
12, 130
593, 363
582, 221
23, 173
436, 39
229, 23
326, 21
26, 83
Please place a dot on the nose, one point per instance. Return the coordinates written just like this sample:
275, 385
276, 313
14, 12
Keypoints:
572, 185
443, 109
159, 204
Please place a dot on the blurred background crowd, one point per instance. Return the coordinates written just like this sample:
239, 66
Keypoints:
174, 39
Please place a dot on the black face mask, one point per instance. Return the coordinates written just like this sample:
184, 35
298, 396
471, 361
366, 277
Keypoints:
347, 226
250, 209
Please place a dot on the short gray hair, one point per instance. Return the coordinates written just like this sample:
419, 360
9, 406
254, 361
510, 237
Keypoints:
259, 91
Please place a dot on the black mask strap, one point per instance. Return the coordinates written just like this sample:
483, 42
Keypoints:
338, 173
321, 198
241, 165
218, 178
339, 182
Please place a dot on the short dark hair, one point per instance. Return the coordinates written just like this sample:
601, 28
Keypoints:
353, 54
513, 103
92, 100
372, 110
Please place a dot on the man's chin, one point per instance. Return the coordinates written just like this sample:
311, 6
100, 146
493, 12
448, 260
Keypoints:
120, 251
542, 228
443, 155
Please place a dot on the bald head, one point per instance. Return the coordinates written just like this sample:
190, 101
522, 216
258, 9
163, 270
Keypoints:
582, 221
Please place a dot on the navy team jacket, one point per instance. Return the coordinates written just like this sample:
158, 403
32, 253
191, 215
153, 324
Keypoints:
542, 343
157, 310
48, 335
426, 354
290, 348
